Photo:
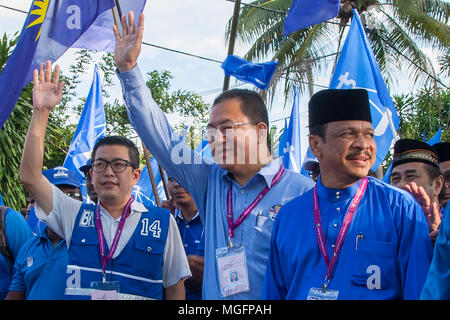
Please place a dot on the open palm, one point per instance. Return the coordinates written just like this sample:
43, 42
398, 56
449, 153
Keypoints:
47, 90
128, 45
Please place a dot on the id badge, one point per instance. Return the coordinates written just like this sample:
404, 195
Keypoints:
107, 290
232, 270
318, 294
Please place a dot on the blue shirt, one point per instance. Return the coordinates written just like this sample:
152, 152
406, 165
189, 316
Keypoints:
40, 269
17, 232
437, 285
192, 235
389, 262
208, 184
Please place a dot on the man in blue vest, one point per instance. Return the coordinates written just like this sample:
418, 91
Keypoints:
118, 249
352, 236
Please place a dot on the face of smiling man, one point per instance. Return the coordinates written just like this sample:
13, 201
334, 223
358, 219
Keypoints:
346, 152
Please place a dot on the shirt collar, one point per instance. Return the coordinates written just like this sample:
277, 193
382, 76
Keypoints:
336, 194
135, 207
268, 172
178, 215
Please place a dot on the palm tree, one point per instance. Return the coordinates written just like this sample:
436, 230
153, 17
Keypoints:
403, 26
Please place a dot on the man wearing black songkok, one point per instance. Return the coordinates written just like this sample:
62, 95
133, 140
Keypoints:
415, 168
443, 151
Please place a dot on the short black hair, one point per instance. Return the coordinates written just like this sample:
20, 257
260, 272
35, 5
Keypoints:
252, 106
133, 151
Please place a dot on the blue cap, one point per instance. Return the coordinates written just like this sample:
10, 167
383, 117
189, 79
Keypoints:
86, 167
61, 175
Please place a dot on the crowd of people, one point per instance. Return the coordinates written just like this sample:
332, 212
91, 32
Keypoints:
241, 227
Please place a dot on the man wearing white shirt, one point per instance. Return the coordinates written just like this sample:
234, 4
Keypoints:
119, 245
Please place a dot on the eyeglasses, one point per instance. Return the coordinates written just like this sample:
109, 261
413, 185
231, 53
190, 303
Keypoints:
226, 129
74, 195
117, 165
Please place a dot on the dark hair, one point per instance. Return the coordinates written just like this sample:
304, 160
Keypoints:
133, 151
433, 172
252, 106
319, 130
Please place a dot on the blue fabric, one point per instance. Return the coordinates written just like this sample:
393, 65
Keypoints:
143, 191
1, 200
305, 13
138, 267
91, 127
395, 239
258, 74
358, 68
292, 151
17, 232
208, 184
45, 39
437, 285
192, 235
40, 269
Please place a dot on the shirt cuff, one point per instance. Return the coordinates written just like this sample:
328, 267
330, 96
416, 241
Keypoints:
131, 79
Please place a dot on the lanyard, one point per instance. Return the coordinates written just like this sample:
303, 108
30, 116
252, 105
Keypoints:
342, 233
101, 241
233, 225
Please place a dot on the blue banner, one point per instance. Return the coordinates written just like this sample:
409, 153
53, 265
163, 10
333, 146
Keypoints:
291, 151
52, 27
258, 74
305, 13
91, 127
357, 68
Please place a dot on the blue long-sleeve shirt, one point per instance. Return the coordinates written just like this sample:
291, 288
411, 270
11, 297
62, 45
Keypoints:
437, 285
390, 259
209, 183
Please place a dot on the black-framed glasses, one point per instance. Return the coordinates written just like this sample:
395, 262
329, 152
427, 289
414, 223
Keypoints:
117, 165
225, 129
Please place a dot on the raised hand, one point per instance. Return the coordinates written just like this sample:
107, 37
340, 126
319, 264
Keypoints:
431, 209
128, 45
47, 90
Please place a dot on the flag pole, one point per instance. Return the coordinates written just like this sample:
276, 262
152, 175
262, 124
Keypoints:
150, 173
234, 23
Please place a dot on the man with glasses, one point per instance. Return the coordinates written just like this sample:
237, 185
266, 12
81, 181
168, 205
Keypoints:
118, 249
237, 197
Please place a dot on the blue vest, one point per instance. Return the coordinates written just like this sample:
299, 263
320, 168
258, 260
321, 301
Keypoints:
138, 267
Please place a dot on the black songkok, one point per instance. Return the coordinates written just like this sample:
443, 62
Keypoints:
339, 105
443, 151
409, 150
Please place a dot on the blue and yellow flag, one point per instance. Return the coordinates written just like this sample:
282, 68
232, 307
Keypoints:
52, 27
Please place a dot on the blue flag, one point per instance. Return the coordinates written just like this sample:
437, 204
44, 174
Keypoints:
305, 13
143, 191
1, 200
282, 142
357, 68
258, 74
292, 145
50, 29
204, 149
90, 128
436, 138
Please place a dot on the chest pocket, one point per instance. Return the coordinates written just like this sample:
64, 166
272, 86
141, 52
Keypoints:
375, 264
149, 246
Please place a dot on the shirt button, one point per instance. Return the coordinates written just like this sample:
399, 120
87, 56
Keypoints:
338, 195
187, 226
185, 245
338, 209
335, 225
332, 245
242, 191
